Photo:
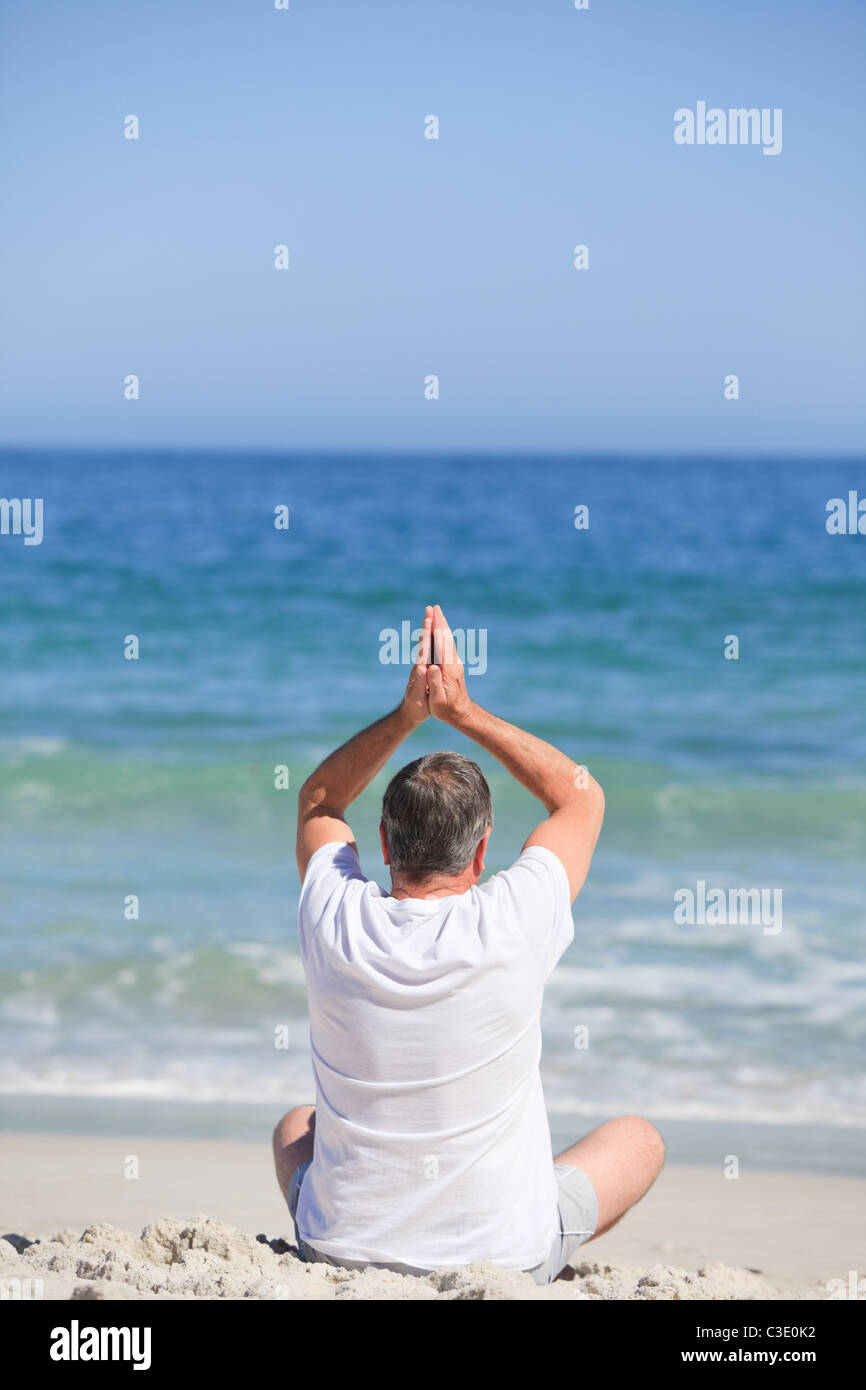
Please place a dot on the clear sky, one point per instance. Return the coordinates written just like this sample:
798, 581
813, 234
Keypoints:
411, 256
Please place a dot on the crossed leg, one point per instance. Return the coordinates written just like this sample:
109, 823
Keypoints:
293, 1143
622, 1159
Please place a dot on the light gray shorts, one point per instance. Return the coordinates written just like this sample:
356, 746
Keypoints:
578, 1218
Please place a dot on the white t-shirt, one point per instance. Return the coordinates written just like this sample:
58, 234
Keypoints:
432, 1142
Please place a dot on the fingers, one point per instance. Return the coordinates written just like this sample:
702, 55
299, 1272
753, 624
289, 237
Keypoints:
435, 686
426, 650
437, 634
444, 651
415, 698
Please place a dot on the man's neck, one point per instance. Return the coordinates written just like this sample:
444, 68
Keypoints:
432, 888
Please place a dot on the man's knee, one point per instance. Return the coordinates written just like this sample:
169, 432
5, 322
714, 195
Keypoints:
646, 1138
295, 1123
293, 1140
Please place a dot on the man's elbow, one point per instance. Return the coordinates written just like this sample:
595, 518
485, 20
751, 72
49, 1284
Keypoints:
315, 800
309, 797
586, 788
585, 794
595, 795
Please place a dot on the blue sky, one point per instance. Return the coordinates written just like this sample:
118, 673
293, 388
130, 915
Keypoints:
411, 256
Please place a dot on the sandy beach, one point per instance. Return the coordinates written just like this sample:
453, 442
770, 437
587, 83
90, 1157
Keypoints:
205, 1220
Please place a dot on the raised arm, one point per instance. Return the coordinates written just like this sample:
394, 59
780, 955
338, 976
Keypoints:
328, 792
572, 798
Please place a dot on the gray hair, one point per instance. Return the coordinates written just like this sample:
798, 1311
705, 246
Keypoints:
435, 812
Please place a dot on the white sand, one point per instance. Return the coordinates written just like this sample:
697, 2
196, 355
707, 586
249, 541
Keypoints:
697, 1235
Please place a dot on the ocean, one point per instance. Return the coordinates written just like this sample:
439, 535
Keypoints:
153, 779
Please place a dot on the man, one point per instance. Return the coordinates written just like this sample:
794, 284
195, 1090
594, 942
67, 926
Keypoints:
429, 1143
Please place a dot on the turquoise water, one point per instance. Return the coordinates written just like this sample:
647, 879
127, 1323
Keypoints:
261, 647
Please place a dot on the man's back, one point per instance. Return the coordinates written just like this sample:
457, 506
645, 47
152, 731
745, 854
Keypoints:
428, 1144
432, 1142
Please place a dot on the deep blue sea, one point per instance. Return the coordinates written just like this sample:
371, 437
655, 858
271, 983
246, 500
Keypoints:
261, 647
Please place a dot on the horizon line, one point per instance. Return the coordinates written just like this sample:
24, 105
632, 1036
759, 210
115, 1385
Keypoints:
456, 451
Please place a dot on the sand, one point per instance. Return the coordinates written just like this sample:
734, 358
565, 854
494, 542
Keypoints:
97, 1234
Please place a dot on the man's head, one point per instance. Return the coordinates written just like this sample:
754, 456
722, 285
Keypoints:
436, 820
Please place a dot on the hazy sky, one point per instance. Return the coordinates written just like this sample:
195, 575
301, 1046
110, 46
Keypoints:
411, 256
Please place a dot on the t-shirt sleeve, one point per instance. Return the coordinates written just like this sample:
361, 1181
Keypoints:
330, 871
537, 887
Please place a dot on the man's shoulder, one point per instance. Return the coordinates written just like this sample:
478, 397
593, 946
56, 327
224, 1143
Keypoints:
534, 894
336, 854
332, 867
535, 864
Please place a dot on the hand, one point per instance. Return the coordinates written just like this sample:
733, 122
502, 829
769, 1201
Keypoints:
446, 681
416, 704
